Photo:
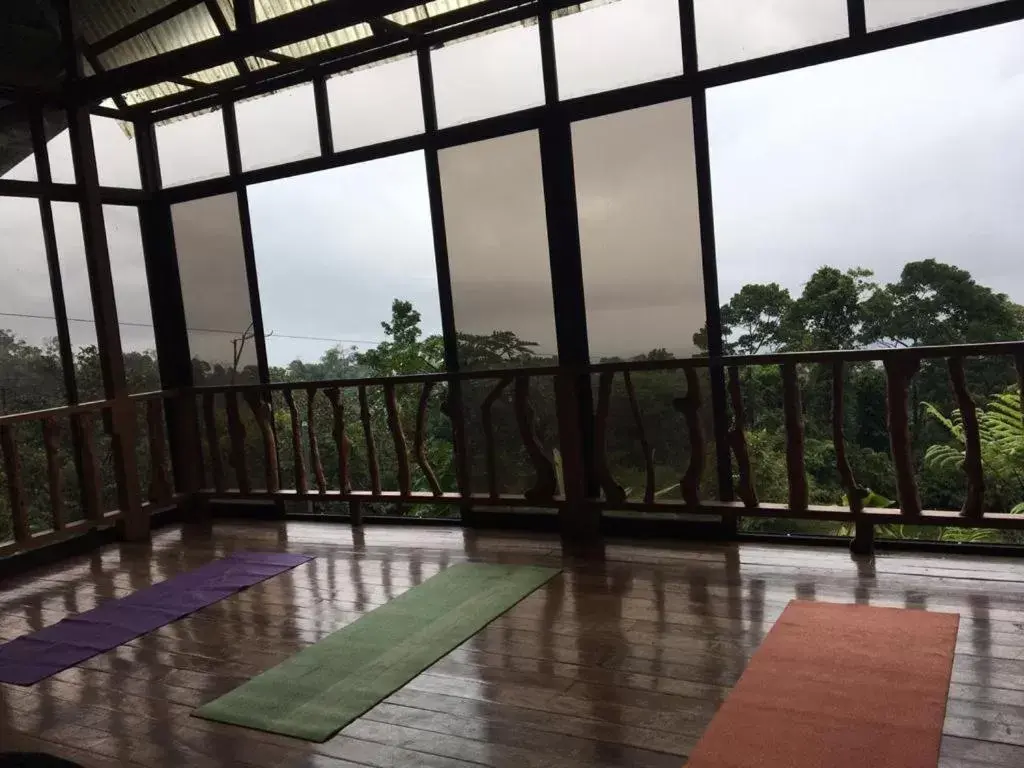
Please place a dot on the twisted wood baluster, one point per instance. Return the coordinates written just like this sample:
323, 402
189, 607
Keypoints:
314, 445
738, 440
546, 485
974, 500
419, 447
487, 421
301, 480
898, 373
689, 406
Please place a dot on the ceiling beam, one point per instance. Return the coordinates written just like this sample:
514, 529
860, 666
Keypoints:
245, 14
97, 66
137, 27
467, 20
280, 58
284, 30
220, 21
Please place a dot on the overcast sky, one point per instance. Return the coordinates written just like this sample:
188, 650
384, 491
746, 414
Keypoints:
908, 154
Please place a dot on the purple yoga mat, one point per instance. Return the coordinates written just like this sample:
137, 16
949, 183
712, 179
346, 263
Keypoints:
31, 658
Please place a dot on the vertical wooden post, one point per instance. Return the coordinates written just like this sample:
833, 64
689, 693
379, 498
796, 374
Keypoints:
51, 441
613, 492
738, 439
301, 480
187, 449
863, 542
579, 521
398, 437
259, 404
314, 446
418, 443
689, 406
645, 445
236, 433
974, 500
371, 446
546, 485
90, 471
159, 482
898, 372
15, 485
120, 420
213, 441
794, 418
455, 404
487, 426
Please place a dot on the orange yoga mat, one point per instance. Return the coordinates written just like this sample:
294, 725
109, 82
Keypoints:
838, 685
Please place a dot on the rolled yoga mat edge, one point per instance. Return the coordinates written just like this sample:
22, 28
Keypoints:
28, 659
324, 687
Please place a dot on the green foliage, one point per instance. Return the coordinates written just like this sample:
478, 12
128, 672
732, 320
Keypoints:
1001, 433
930, 303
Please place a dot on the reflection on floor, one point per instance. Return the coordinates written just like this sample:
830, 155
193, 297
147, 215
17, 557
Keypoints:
620, 662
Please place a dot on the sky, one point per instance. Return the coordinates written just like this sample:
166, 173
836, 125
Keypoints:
872, 162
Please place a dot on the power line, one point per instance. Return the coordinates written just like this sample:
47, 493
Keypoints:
272, 334
131, 324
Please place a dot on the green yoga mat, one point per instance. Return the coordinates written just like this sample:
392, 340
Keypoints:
323, 688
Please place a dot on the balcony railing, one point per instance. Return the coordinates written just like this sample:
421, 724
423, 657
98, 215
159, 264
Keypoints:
514, 438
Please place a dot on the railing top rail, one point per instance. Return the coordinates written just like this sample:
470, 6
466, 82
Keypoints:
416, 378
774, 358
155, 394
67, 410
864, 355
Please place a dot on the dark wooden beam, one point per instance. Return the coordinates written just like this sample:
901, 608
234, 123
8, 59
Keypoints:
139, 26
433, 31
223, 28
120, 419
290, 28
280, 58
245, 14
97, 67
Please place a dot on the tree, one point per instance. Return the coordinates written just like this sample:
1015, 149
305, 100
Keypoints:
828, 313
757, 314
500, 349
403, 353
936, 303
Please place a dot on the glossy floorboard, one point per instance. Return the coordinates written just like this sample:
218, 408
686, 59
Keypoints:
620, 661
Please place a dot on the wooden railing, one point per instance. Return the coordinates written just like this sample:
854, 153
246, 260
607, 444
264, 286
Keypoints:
59, 478
558, 478
504, 438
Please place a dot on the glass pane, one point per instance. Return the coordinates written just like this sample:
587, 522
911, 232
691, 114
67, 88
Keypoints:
30, 369
498, 250
192, 149
735, 30
376, 104
67, 225
609, 45
58, 149
17, 156
488, 75
131, 293
117, 160
278, 128
636, 191
323, 235
888, 13
214, 287
854, 208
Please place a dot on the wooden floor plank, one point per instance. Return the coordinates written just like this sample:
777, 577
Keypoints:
618, 661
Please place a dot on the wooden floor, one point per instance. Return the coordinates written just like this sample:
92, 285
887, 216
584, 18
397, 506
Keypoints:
615, 662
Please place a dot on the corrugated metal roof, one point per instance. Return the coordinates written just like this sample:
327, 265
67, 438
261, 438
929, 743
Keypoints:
98, 19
